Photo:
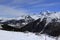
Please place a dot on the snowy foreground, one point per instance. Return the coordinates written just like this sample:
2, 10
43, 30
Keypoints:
6, 35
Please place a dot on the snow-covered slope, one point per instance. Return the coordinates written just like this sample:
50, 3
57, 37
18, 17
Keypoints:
6, 35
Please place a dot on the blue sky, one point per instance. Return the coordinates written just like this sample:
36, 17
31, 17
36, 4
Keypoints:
14, 8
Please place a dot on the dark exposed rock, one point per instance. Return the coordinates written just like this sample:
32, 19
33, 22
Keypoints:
30, 26
53, 29
35, 26
8, 28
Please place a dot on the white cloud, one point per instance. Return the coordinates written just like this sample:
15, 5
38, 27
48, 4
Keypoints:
27, 1
45, 4
24, 2
36, 2
2, 1
7, 11
51, 4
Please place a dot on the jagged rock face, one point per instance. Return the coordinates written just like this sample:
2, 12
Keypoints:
53, 29
43, 22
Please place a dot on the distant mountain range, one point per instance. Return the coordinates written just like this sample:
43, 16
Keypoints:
25, 19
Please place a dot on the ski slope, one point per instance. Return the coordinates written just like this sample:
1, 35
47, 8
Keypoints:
7, 35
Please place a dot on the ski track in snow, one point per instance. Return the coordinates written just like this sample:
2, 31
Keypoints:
6, 35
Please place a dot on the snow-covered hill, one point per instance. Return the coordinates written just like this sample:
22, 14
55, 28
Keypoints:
6, 35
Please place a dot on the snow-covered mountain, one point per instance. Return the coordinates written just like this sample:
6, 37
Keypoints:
28, 18
49, 17
25, 19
